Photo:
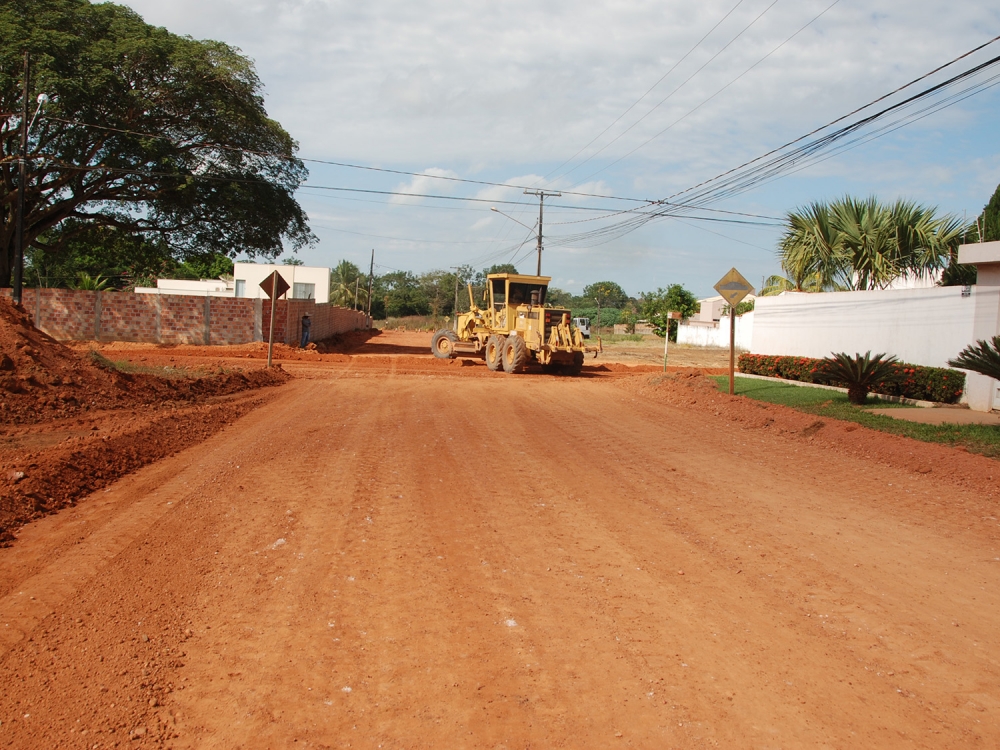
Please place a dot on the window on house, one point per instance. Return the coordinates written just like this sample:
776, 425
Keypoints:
303, 291
241, 287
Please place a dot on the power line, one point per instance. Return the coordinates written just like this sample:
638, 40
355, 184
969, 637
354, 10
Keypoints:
782, 160
706, 101
649, 90
668, 96
126, 131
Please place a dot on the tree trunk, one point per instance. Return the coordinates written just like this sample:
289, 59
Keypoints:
857, 394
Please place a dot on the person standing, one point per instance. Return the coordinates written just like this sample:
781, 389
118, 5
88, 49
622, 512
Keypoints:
306, 325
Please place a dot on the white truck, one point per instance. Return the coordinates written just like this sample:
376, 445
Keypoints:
584, 325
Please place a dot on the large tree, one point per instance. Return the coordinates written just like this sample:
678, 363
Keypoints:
145, 132
862, 244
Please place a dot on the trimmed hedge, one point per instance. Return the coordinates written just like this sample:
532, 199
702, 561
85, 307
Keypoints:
914, 381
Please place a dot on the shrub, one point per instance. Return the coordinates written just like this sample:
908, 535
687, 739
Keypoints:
860, 373
909, 381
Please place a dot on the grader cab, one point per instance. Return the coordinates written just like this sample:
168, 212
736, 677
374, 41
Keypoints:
514, 328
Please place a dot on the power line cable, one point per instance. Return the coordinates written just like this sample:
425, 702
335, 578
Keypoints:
706, 101
668, 96
486, 183
648, 91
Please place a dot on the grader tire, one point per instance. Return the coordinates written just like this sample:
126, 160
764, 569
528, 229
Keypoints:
515, 354
494, 352
443, 344
576, 366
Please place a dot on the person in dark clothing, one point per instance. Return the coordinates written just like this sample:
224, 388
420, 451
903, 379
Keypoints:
306, 325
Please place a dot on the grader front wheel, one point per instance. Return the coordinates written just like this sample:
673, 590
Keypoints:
443, 344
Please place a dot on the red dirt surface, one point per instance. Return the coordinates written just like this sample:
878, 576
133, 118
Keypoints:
71, 427
372, 558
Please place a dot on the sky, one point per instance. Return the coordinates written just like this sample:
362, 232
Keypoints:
630, 99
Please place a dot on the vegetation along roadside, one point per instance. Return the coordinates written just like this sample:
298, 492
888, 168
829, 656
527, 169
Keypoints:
977, 438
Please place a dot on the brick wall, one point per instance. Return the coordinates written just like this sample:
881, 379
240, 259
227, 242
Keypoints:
232, 320
70, 314
127, 317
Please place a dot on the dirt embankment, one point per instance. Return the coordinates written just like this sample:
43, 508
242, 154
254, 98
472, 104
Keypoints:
948, 463
72, 427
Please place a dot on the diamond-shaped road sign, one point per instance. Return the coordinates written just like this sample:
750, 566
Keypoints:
733, 287
274, 285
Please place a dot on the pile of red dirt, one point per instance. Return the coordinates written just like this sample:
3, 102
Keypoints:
42, 379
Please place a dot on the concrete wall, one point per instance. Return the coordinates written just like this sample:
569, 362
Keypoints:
920, 326
717, 334
69, 314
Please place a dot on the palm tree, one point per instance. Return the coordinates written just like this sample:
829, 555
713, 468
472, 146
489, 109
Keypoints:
982, 357
864, 244
811, 249
344, 279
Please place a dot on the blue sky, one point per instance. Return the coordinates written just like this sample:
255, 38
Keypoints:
508, 92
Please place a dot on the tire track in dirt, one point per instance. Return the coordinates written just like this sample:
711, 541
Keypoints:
495, 561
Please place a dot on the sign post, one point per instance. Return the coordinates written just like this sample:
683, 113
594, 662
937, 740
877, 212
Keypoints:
733, 288
666, 337
274, 286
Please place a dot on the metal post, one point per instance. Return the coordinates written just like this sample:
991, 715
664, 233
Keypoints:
732, 349
22, 178
270, 334
357, 285
541, 204
666, 340
371, 281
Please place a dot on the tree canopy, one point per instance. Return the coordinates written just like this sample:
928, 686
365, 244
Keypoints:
606, 294
146, 132
654, 307
854, 243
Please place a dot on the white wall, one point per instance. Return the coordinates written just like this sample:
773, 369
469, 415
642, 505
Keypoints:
718, 335
920, 326
254, 273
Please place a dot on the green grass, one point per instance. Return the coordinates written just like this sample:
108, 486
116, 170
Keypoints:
978, 438
171, 373
614, 338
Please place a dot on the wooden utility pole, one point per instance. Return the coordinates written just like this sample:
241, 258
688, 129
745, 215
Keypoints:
371, 281
541, 204
22, 179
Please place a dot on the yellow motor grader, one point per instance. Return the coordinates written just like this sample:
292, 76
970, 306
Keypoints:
514, 328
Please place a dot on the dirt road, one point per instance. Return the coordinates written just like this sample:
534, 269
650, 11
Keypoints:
424, 561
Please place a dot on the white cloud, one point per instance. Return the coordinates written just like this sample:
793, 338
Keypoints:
489, 90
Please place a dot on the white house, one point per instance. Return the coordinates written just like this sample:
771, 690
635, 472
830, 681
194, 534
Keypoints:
305, 282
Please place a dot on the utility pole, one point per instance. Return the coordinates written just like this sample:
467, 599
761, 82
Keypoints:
456, 269
541, 203
371, 281
22, 178
357, 285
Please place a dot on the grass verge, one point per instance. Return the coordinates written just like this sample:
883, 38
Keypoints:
168, 372
979, 438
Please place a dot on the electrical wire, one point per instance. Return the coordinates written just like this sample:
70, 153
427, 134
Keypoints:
648, 91
668, 96
251, 152
710, 98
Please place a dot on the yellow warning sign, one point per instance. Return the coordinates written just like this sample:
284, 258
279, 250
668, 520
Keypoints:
733, 287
